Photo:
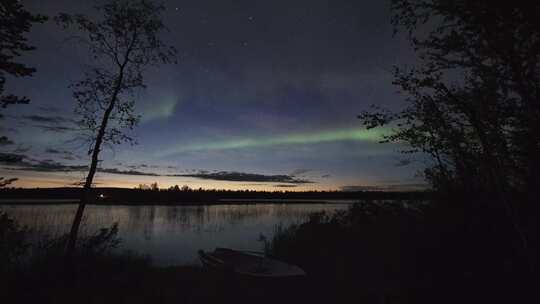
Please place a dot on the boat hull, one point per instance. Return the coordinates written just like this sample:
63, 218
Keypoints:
248, 265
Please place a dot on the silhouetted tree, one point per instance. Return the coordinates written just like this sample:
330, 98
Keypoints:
473, 101
122, 42
15, 21
143, 187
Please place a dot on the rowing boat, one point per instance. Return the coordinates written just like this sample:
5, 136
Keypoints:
248, 264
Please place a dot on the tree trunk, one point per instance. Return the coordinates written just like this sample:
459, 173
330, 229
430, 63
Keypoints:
70, 248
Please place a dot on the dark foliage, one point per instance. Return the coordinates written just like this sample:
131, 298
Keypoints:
101, 243
473, 99
37, 272
473, 104
15, 21
379, 252
13, 242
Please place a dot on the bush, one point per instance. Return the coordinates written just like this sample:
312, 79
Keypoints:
13, 241
404, 251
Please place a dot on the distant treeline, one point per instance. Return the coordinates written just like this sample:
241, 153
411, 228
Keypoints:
189, 196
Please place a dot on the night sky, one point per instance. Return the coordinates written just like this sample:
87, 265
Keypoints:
265, 96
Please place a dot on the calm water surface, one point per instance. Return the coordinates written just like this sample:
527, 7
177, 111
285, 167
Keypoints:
171, 235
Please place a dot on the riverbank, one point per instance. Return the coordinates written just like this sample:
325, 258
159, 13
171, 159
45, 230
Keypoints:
124, 196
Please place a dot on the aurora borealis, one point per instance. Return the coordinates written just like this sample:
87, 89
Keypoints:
362, 135
262, 88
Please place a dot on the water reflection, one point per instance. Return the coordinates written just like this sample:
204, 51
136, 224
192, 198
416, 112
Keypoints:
171, 235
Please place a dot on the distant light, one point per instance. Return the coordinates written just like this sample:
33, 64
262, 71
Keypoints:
102, 196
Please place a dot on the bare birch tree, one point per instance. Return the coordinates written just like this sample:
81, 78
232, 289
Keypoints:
122, 43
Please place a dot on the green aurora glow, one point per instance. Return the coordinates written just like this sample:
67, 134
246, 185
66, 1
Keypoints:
355, 134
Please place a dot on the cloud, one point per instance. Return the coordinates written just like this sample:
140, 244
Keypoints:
56, 129
326, 176
403, 163
4, 141
11, 158
22, 149
395, 187
46, 119
49, 165
142, 166
126, 172
49, 109
82, 183
67, 155
285, 186
53, 166
21, 162
52, 151
359, 188
24, 163
247, 177
5, 182
300, 172
50, 123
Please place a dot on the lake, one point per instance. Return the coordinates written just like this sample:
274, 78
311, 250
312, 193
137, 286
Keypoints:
171, 235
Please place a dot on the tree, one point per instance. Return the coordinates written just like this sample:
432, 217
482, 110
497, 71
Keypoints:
123, 42
15, 21
143, 187
473, 101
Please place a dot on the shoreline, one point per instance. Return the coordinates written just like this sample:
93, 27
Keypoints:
123, 196
45, 202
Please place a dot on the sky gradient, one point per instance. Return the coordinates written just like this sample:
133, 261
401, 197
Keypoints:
265, 97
